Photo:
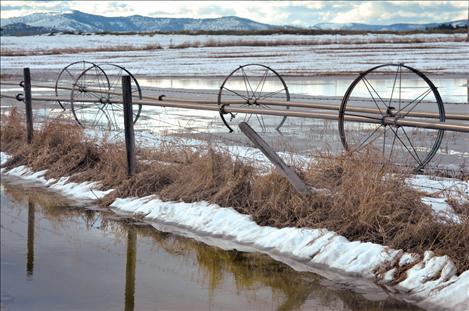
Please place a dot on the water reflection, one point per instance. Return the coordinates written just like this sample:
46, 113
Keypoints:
452, 89
130, 269
30, 252
91, 248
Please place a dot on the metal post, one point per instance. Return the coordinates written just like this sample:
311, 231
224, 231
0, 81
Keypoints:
129, 125
28, 104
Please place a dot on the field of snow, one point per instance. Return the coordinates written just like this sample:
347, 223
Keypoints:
324, 54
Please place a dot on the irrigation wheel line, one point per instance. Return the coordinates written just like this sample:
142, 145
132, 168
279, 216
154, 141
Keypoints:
395, 100
311, 105
251, 92
94, 84
66, 72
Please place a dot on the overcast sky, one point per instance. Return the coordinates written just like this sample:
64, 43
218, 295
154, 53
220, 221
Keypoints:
304, 13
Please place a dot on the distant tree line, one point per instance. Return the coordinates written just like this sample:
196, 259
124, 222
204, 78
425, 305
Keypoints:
449, 27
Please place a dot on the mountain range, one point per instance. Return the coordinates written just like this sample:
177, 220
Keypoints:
76, 21
392, 27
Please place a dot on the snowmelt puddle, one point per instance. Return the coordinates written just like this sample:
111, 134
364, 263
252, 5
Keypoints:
57, 256
451, 89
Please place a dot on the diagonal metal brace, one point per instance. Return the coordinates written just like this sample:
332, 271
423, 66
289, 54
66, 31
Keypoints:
279, 164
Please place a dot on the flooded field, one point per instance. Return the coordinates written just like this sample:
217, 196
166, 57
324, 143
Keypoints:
453, 89
58, 255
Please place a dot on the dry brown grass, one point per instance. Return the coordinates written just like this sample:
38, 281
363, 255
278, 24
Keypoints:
370, 202
311, 42
148, 47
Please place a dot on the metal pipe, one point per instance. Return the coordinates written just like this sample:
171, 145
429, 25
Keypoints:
289, 113
415, 114
315, 115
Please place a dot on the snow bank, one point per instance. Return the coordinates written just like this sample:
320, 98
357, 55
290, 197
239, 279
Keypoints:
438, 190
431, 282
86, 190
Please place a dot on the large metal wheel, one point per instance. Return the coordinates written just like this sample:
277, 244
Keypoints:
115, 73
96, 98
382, 95
249, 84
68, 76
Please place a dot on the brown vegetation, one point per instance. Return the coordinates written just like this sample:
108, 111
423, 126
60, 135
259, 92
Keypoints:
371, 202
279, 31
309, 42
118, 48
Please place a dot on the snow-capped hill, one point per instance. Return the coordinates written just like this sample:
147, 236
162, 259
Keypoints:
460, 23
80, 21
392, 27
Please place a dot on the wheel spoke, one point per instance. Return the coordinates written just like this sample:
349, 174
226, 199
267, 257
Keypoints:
384, 141
367, 138
96, 120
377, 94
114, 115
271, 94
400, 89
260, 119
392, 146
261, 83
393, 85
415, 105
247, 81
403, 144
70, 74
411, 145
229, 90
372, 97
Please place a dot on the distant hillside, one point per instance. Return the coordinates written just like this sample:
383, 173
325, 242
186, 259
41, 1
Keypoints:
82, 22
392, 27
76, 21
21, 29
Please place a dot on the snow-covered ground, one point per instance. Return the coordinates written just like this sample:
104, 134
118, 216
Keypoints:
430, 282
327, 54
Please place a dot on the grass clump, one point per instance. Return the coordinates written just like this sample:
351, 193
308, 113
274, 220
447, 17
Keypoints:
370, 202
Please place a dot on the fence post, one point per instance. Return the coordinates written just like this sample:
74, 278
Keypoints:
129, 125
28, 104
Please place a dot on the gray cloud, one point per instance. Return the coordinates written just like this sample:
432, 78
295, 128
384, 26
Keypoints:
280, 13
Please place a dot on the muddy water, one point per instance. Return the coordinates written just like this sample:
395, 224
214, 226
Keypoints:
56, 255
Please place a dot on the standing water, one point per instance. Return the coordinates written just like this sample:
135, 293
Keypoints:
56, 255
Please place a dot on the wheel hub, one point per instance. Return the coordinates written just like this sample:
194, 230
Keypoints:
251, 101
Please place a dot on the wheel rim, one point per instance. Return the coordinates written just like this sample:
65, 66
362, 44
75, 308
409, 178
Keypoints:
89, 99
115, 73
249, 84
106, 110
393, 92
68, 76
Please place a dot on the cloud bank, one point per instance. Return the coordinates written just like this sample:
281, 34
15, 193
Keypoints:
297, 13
